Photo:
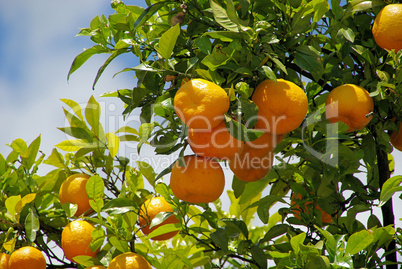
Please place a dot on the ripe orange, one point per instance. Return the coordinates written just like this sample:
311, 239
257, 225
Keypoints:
4, 258
255, 160
396, 138
201, 180
214, 143
201, 104
350, 104
282, 106
73, 190
387, 29
295, 198
129, 260
149, 210
76, 239
96, 267
27, 257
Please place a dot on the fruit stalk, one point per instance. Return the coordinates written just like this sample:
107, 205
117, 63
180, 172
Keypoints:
387, 208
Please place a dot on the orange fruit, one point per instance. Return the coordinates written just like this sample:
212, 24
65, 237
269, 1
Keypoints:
76, 239
4, 258
296, 209
396, 138
27, 257
201, 104
387, 29
255, 160
201, 180
73, 191
350, 104
96, 267
129, 260
282, 106
149, 210
214, 143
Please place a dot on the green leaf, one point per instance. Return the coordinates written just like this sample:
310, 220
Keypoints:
70, 209
77, 132
55, 159
144, 132
113, 142
297, 241
204, 44
224, 36
146, 14
220, 238
119, 244
85, 260
358, 241
92, 114
362, 5
74, 121
159, 218
11, 203
19, 145
236, 226
95, 189
147, 170
165, 171
330, 242
232, 14
167, 42
265, 204
259, 256
29, 155
389, 188
308, 59
84, 56
240, 132
74, 145
119, 206
74, 106
31, 224
219, 57
127, 129
268, 72
250, 110
275, 231
348, 34
164, 229
222, 17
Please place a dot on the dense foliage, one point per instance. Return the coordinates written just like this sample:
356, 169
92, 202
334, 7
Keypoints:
236, 44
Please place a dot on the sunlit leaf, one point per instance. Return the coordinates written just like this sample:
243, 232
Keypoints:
358, 241
389, 188
113, 142
29, 155
31, 224
167, 41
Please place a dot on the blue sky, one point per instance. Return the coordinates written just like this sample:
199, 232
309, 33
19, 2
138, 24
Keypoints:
37, 47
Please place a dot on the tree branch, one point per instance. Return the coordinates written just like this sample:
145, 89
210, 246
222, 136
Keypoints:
387, 208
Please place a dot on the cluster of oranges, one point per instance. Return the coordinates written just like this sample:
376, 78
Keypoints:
282, 107
201, 105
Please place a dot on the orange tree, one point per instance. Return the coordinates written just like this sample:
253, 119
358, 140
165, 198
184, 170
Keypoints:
236, 44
